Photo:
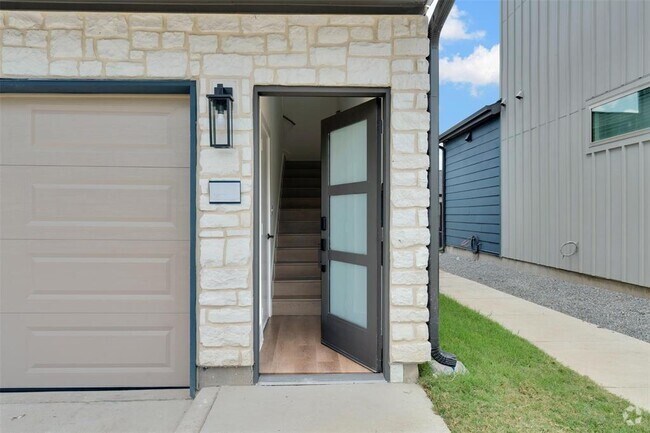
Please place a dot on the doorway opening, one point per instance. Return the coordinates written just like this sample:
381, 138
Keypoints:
319, 278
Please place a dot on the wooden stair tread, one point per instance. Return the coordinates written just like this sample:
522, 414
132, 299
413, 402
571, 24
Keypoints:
305, 279
297, 271
298, 280
312, 262
297, 298
298, 248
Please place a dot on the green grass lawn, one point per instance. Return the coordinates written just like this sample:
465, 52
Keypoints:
513, 386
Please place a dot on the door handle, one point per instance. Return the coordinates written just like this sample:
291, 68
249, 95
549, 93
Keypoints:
269, 236
323, 255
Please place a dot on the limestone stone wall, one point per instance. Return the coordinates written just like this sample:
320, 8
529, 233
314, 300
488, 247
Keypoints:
242, 51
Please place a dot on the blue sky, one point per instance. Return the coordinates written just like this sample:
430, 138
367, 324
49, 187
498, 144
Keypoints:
469, 60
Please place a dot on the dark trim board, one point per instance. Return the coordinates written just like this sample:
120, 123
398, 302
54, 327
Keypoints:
307, 91
193, 234
138, 87
84, 87
369, 7
472, 121
136, 388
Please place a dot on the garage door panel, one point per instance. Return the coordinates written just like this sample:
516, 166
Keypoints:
94, 276
91, 130
94, 203
94, 241
103, 350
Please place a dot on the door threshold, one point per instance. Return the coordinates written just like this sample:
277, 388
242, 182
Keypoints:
320, 379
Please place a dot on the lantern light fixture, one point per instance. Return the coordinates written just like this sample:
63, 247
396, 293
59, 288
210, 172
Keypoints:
220, 107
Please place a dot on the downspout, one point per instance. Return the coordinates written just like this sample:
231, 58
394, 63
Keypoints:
443, 193
440, 13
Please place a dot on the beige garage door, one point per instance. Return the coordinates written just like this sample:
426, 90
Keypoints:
94, 241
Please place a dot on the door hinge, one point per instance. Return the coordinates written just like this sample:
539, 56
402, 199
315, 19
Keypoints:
323, 223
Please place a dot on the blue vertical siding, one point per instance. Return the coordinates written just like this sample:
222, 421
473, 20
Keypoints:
473, 188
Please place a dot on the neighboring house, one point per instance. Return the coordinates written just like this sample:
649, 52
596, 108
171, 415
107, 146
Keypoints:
574, 139
575, 136
472, 186
137, 253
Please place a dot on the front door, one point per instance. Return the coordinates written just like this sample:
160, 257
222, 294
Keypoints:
351, 224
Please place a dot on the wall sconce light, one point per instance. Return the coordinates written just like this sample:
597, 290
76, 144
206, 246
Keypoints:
220, 106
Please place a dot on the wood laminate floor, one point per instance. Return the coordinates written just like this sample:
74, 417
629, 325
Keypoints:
292, 346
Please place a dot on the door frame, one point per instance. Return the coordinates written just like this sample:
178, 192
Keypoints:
383, 93
137, 87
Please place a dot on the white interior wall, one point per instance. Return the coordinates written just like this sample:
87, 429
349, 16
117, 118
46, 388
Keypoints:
271, 121
271, 113
301, 142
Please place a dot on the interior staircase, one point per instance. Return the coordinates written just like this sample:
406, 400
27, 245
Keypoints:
297, 274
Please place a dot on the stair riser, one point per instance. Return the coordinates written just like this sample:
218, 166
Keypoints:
302, 164
300, 203
300, 227
301, 255
300, 192
304, 241
300, 215
296, 272
296, 288
309, 307
307, 182
302, 172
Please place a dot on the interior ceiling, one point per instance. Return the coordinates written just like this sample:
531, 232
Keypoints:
228, 6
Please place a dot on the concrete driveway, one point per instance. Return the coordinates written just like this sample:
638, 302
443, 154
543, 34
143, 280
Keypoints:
153, 411
340, 408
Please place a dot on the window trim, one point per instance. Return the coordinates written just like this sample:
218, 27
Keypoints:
613, 95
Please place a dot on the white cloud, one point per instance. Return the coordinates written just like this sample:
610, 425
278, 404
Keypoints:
480, 68
455, 28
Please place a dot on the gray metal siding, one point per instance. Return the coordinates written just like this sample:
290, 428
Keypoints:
556, 186
472, 188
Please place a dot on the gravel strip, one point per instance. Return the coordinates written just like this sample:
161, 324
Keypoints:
620, 312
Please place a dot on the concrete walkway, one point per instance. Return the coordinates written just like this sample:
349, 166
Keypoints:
154, 411
619, 363
356, 408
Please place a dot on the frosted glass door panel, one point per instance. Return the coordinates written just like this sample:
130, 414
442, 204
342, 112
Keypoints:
348, 146
349, 225
350, 261
348, 292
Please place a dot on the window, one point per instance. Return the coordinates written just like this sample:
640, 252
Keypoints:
623, 115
